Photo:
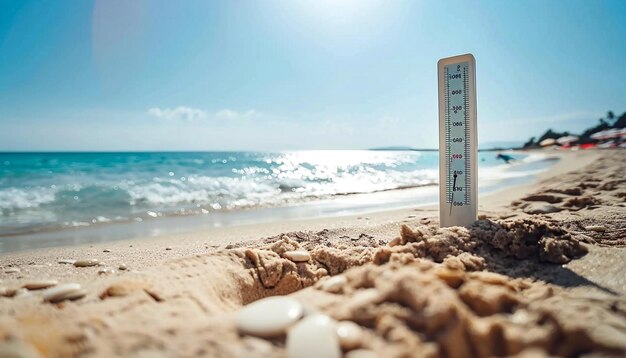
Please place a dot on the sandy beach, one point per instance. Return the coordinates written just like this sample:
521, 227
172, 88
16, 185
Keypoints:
541, 273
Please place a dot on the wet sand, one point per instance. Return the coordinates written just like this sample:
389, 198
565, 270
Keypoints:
542, 273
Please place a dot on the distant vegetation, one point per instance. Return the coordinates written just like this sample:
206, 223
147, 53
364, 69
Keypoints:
611, 122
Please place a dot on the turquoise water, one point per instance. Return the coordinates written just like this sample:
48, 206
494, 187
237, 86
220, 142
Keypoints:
50, 191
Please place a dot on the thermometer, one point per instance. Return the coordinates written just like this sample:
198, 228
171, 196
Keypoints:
457, 140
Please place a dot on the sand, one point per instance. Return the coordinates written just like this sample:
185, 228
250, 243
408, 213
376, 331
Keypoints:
541, 273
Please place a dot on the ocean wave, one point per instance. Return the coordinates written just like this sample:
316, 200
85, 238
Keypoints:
14, 198
76, 190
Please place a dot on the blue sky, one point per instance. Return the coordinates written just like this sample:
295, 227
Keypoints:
326, 74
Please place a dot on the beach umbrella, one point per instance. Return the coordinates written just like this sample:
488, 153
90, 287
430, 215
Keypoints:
567, 139
606, 134
548, 141
598, 135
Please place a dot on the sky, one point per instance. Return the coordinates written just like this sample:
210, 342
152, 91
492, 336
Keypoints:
116, 75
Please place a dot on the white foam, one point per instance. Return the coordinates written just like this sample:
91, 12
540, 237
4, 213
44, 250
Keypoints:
14, 199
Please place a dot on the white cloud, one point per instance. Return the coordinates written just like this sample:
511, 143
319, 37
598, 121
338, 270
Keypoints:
180, 112
232, 114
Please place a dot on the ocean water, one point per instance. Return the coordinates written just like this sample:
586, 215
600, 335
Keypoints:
54, 191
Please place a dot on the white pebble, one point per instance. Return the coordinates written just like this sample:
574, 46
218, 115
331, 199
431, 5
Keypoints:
66, 291
334, 284
298, 256
39, 284
22, 292
313, 337
123, 267
597, 228
11, 270
106, 250
168, 248
269, 317
106, 271
67, 262
86, 263
361, 353
350, 334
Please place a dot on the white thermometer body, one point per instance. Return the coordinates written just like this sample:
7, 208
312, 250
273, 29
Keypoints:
457, 141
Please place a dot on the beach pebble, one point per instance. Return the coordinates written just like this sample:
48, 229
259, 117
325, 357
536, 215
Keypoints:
334, 284
40, 284
22, 292
66, 291
11, 270
395, 242
66, 262
106, 250
313, 337
298, 256
269, 317
106, 271
8, 292
596, 228
86, 263
168, 248
540, 208
350, 334
361, 353
122, 267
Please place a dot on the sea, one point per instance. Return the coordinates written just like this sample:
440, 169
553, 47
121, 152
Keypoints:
51, 196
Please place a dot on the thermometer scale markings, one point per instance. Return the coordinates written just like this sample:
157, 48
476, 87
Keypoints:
457, 116
457, 134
